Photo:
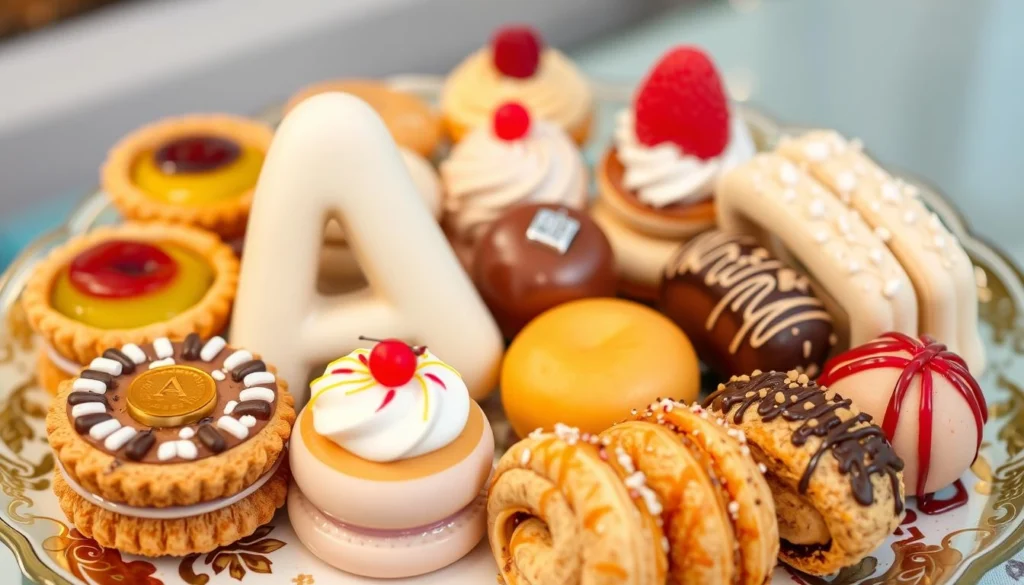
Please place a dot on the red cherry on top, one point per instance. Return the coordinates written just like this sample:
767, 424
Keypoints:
511, 121
517, 51
121, 269
392, 362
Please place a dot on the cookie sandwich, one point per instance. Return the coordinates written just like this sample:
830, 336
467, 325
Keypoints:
171, 447
131, 283
393, 430
836, 481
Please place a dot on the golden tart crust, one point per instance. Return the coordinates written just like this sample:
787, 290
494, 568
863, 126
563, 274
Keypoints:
81, 343
227, 218
160, 485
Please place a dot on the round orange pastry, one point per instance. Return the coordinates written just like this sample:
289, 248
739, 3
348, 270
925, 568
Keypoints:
127, 284
413, 123
197, 170
589, 363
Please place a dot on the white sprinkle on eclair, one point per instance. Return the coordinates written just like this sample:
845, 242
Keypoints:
212, 348
186, 449
186, 433
218, 375
230, 406
247, 420
163, 348
167, 451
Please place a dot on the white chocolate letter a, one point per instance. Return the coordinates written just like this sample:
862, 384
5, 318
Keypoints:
333, 157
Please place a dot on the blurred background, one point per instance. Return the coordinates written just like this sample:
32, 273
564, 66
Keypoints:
933, 87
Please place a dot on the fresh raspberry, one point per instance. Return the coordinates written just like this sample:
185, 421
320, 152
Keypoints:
682, 101
517, 51
511, 121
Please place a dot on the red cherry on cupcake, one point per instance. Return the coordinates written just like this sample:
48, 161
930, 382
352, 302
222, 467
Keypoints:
683, 101
517, 51
392, 362
511, 121
122, 268
195, 154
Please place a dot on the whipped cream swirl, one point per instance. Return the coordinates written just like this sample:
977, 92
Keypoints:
381, 423
664, 175
486, 175
556, 92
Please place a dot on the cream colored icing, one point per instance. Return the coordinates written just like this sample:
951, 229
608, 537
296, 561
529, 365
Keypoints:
485, 175
383, 424
556, 92
664, 175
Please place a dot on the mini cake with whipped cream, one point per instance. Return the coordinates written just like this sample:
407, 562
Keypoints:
656, 182
928, 404
517, 159
517, 67
124, 284
390, 456
171, 447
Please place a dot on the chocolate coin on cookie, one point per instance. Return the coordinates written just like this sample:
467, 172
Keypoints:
150, 435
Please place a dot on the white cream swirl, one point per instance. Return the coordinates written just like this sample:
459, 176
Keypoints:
384, 424
556, 92
664, 175
486, 175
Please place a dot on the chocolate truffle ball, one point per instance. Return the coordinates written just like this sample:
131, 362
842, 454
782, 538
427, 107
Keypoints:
743, 309
535, 257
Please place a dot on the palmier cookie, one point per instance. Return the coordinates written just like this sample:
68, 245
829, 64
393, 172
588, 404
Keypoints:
837, 483
171, 448
720, 518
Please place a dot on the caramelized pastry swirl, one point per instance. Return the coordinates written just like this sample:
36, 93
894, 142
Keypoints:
559, 513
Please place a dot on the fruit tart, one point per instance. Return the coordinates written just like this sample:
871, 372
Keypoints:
197, 170
127, 284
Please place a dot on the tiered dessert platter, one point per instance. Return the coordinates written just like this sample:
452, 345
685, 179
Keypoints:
955, 547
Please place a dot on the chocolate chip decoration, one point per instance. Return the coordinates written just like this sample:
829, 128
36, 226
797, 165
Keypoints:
239, 373
88, 421
82, 397
137, 448
191, 347
127, 365
211, 438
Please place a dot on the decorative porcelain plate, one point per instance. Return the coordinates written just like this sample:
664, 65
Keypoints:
958, 546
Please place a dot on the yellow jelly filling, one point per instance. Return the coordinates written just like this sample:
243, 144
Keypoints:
200, 187
193, 279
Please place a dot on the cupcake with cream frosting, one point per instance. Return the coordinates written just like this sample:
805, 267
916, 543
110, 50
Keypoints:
513, 161
517, 67
656, 182
393, 431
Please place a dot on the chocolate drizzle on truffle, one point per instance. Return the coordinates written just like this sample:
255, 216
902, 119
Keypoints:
249, 367
191, 347
859, 446
127, 365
